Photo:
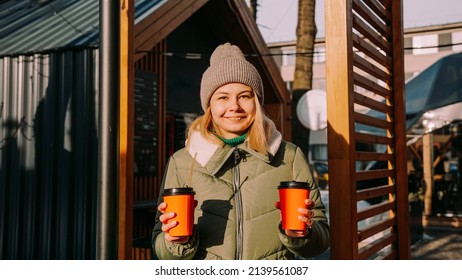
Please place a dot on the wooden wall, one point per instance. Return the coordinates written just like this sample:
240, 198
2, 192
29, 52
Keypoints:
146, 188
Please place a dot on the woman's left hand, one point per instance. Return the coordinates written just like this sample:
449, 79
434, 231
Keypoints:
306, 214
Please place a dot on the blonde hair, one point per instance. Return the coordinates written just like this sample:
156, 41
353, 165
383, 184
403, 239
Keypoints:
257, 134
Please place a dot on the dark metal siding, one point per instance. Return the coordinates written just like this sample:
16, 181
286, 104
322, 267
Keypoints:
48, 155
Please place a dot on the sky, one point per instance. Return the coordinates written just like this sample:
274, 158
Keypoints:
277, 19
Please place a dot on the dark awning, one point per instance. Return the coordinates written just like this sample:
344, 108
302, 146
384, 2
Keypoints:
433, 98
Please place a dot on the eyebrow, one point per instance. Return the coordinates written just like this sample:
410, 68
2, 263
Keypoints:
244, 91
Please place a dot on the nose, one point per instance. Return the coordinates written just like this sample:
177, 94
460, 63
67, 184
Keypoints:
234, 104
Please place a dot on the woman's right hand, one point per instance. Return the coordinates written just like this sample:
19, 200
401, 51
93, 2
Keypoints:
167, 225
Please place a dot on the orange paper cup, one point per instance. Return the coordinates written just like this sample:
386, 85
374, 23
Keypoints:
292, 195
181, 202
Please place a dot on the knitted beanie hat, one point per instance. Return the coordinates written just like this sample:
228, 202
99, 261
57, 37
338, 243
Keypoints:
228, 65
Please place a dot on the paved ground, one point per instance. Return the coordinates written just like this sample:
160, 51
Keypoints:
440, 240
438, 243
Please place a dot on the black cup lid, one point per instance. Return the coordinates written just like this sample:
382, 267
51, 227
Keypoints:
178, 191
294, 185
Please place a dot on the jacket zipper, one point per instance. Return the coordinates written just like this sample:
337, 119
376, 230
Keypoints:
238, 198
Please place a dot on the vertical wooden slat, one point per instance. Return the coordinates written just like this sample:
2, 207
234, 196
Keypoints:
344, 237
402, 204
126, 129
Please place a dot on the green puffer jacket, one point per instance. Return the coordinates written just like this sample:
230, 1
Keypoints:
236, 190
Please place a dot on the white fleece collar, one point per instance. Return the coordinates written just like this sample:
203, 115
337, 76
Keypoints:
200, 148
203, 150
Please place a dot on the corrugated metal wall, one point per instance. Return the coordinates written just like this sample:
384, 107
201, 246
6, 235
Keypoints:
48, 155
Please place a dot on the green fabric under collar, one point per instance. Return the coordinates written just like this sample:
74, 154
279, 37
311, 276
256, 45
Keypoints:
233, 142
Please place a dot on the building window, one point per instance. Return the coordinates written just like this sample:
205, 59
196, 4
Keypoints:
457, 41
288, 56
319, 152
407, 45
422, 44
444, 42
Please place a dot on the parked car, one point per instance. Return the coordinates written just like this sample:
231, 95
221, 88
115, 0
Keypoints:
320, 172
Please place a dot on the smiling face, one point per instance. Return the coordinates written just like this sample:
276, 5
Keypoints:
233, 109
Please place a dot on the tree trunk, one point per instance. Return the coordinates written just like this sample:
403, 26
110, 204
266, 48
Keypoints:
306, 34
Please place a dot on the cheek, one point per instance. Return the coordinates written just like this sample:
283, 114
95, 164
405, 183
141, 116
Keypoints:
251, 110
216, 111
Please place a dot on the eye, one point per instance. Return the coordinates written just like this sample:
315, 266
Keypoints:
220, 96
246, 96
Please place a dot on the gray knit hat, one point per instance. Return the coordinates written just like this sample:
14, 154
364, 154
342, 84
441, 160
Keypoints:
228, 65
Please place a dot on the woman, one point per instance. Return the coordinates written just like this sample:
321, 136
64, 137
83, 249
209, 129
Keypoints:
237, 159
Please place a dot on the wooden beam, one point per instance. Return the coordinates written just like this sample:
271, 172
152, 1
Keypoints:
340, 130
126, 130
428, 171
401, 180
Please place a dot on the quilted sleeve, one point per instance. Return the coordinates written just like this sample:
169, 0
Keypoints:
318, 239
162, 249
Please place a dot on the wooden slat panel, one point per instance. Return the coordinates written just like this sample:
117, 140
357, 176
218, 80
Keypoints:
385, 3
147, 187
368, 120
374, 174
382, 11
375, 228
370, 68
376, 245
376, 209
374, 192
372, 104
372, 19
373, 139
370, 50
369, 156
371, 35
375, 29
141, 253
370, 85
